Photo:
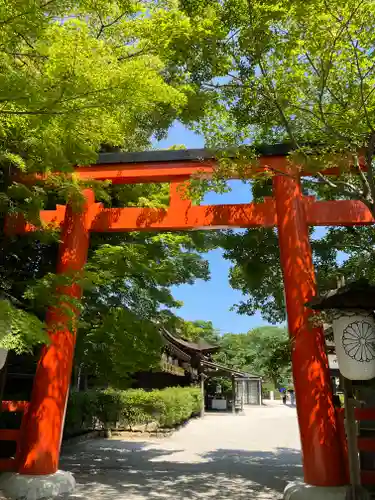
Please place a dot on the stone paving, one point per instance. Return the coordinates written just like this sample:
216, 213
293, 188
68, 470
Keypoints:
223, 456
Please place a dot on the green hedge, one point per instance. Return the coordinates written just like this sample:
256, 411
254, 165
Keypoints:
125, 409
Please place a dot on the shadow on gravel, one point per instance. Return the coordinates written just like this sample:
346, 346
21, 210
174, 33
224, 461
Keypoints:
115, 469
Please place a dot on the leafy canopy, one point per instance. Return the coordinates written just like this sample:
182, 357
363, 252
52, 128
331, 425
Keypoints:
256, 267
130, 298
301, 72
77, 77
197, 330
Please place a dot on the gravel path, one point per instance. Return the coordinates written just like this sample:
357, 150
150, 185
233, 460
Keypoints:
220, 457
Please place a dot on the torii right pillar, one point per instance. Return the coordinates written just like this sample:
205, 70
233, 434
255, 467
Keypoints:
321, 448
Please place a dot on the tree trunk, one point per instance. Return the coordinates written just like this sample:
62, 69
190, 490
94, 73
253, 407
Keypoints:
79, 374
85, 382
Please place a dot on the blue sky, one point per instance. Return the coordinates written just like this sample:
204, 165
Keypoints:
212, 300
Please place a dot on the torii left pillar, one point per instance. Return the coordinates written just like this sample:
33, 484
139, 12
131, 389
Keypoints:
42, 431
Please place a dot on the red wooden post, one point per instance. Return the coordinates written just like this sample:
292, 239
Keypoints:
322, 454
43, 430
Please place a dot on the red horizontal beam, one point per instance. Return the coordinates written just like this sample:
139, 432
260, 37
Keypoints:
365, 413
368, 477
337, 213
125, 173
194, 217
170, 171
329, 213
366, 444
8, 465
182, 215
9, 434
14, 406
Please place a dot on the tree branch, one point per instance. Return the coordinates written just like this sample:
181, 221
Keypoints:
324, 125
235, 33
11, 99
329, 90
224, 85
345, 188
366, 98
39, 112
25, 13
47, 111
141, 52
362, 175
283, 173
105, 26
87, 94
343, 27
338, 19
361, 79
284, 119
371, 68
369, 164
25, 54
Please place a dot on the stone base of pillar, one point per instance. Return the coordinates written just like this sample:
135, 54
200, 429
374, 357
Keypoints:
21, 486
302, 491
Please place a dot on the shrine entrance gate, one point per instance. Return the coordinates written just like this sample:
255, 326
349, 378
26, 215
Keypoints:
39, 439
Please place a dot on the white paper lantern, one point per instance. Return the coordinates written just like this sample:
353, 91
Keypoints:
354, 334
3, 357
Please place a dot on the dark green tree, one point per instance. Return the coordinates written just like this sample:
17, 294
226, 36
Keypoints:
256, 269
262, 351
198, 330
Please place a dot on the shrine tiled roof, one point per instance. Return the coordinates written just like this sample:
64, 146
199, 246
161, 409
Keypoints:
357, 295
201, 346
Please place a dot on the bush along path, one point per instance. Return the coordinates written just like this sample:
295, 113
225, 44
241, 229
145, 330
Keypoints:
131, 409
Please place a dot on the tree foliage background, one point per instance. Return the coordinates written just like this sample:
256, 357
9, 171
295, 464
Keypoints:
78, 77
301, 73
263, 351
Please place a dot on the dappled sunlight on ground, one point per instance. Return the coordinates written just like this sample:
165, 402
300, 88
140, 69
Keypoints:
249, 456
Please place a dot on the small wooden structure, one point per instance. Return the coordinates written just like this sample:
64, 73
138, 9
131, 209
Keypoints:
246, 388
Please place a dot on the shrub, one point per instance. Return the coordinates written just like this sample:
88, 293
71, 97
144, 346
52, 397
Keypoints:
112, 408
81, 411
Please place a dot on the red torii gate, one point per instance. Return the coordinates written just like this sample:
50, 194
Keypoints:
39, 439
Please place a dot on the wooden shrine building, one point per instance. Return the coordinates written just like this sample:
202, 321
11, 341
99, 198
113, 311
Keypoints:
186, 363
